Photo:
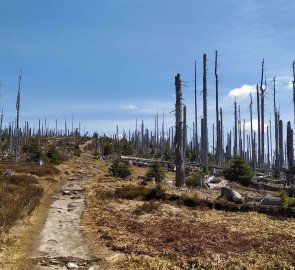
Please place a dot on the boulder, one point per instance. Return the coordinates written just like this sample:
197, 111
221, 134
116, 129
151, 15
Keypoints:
72, 265
231, 195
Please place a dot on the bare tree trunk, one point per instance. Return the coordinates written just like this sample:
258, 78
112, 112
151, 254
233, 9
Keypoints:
240, 133
217, 113
262, 92
267, 134
258, 116
277, 161
180, 166
281, 143
290, 152
213, 140
236, 131
205, 125
196, 117
221, 137
17, 118
293, 83
184, 132
252, 139
254, 153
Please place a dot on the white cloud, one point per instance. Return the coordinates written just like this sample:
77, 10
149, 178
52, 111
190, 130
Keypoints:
254, 124
242, 92
129, 107
290, 84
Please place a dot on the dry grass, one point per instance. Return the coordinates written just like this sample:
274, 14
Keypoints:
30, 168
164, 235
19, 196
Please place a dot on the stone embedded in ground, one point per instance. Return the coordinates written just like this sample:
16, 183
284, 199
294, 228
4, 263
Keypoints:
72, 265
231, 195
66, 192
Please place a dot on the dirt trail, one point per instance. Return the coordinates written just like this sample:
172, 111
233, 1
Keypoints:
60, 244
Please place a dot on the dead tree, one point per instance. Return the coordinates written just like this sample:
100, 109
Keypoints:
290, 152
281, 143
267, 135
252, 139
240, 133
180, 166
184, 132
262, 92
205, 125
277, 160
17, 118
217, 113
293, 83
221, 137
258, 116
196, 117
236, 131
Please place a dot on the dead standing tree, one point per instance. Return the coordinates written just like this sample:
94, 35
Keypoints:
236, 131
16, 149
277, 161
258, 116
180, 166
196, 117
204, 125
252, 139
290, 153
293, 83
262, 92
218, 137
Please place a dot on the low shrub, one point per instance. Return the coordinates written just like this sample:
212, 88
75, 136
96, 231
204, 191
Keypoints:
194, 179
285, 199
53, 155
120, 169
19, 196
20, 179
156, 193
131, 192
46, 169
146, 208
239, 171
156, 171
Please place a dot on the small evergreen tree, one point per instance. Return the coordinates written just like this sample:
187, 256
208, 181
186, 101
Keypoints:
156, 171
239, 171
53, 155
120, 169
33, 151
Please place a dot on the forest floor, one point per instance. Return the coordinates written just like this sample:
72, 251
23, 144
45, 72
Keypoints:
93, 227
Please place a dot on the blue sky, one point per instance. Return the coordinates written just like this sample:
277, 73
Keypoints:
108, 62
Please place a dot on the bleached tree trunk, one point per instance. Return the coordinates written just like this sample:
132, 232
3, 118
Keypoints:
262, 93
184, 132
221, 137
236, 131
277, 160
281, 143
180, 166
217, 112
205, 125
17, 118
196, 117
252, 139
290, 153
293, 83
258, 116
